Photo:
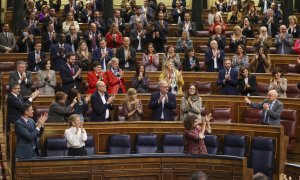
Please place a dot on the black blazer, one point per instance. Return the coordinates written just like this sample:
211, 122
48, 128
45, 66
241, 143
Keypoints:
76, 42
101, 25
252, 82
159, 43
99, 108
14, 106
57, 24
121, 56
274, 25
157, 109
32, 63
58, 60
26, 46
89, 41
186, 65
135, 41
68, 82
47, 42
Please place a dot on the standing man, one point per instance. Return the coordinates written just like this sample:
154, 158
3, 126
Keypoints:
27, 133
22, 77
126, 56
92, 37
101, 104
284, 41
187, 25
36, 58
228, 79
102, 54
272, 108
70, 74
214, 57
163, 103
7, 40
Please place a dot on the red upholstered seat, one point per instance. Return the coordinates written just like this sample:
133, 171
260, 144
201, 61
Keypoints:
262, 89
121, 113
39, 110
7, 66
289, 121
253, 116
204, 87
153, 86
292, 91
221, 115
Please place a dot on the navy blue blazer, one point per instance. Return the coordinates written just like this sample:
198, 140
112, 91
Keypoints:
121, 56
14, 106
32, 63
168, 109
209, 61
68, 82
57, 59
47, 42
99, 108
89, 41
76, 42
27, 135
251, 90
97, 56
230, 86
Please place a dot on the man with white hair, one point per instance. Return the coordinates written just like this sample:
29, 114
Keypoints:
214, 57
283, 41
263, 39
162, 103
272, 108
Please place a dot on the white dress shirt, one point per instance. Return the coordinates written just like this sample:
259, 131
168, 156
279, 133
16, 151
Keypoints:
104, 102
75, 140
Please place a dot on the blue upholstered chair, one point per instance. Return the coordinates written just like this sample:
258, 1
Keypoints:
56, 146
119, 144
146, 143
234, 145
212, 144
89, 145
173, 143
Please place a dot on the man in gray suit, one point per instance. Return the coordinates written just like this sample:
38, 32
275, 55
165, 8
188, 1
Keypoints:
7, 40
22, 77
187, 25
272, 108
27, 133
283, 41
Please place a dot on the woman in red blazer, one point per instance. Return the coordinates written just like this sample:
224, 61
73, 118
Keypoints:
95, 76
114, 37
114, 78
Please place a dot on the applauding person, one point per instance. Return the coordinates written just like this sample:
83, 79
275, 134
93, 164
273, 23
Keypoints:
173, 77
140, 81
191, 103
260, 62
278, 83
150, 58
76, 135
115, 78
94, 76
46, 79
133, 106
214, 57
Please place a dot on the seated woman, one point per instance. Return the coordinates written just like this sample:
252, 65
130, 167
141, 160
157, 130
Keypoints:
247, 83
190, 62
115, 78
114, 37
58, 110
46, 80
260, 62
194, 134
44, 13
247, 29
172, 57
70, 21
184, 42
140, 81
150, 58
237, 38
293, 27
278, 83
218, 21
133, 107
83, 57
94, 76
75, 136
240, 59
191, 103
234, 17
81, 105
211, 15
173, 78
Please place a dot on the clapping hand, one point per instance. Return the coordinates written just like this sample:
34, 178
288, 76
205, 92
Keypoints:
111, 99
266, 106
208, 117
35, 94
88, 98
41, 121
247, 101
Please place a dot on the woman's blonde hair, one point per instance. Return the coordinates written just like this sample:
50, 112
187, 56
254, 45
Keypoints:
84, 53
112, 26
113, 60
73, 118
130, 92
293, 17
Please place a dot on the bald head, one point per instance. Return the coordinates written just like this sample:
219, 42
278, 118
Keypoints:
101, 87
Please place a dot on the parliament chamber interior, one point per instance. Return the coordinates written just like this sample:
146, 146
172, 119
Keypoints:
109, 62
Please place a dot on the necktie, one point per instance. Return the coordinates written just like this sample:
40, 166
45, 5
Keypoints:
72, 70
20, 99
94, 41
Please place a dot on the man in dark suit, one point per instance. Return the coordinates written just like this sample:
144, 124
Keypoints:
58, 52
182, 2
101, 103
27, 133
7, 40
157, 37
138, 37
36, 58
57, 24
117, 19
98, 5
102, 54
14, 103
264, 5
73, 38
214, 57
92, 37
271, 22
22, 77
32, 24
272, 108
74, 6
126, 56
100, 23
48, 37
70, 74
187, 25
161, 24
162, 103
228, 79
219, 37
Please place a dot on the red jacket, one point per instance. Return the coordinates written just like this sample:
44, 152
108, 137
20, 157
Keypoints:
113, 44
92, 80
114, 83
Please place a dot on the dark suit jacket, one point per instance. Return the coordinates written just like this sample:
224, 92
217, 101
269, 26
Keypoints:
68, 82
135, 40
76, 42
47, 42
186, 65
99, 108
97, 56
101, 25
24, 47
90, 41
274, 25
84, 16
157, 109
121, 23
158, 42
192, 29
230, 86
164, 29
32, 63
33, 29
176, 15
39, 5
221, 41
274, 113
252, 90
14, 106
209, 61
121, 56
27, 135
59, 59
57, 24
183, 3
25, 87
77, 9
